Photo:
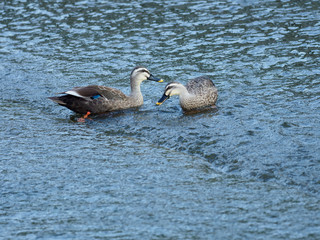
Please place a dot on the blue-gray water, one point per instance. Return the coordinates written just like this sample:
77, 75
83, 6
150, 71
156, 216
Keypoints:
249, 170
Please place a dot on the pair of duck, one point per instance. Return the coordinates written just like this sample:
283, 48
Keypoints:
93, 99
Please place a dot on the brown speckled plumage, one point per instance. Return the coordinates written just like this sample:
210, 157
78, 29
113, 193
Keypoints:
199, 93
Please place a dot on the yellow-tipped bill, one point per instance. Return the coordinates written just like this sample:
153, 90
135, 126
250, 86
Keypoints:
162, 99
153, 78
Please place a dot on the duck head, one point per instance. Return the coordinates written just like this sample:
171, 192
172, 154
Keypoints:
171, 89
139, 74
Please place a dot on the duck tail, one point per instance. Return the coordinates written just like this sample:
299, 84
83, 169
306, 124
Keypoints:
58, 100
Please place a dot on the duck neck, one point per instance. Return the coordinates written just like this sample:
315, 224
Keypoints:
185, 98
184, 94
135, 90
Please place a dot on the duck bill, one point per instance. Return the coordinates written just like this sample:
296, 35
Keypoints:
155, 79
162, 99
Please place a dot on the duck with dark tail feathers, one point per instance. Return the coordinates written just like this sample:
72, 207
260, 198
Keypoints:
96, 99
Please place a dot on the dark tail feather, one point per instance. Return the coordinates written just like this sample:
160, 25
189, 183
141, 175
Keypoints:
57, 100
76, 104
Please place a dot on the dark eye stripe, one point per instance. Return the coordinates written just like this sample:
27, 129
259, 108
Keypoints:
144, 70
170, 87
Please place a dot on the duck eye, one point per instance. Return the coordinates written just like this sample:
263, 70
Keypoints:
168, 93
168, 88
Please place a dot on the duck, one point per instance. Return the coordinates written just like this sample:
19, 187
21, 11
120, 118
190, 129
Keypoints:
199, 93
94, 99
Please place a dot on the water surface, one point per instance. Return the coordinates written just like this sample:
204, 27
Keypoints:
248, 170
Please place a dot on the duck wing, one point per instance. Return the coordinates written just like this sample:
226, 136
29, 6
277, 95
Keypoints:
111, 93
92, 92
92, 98
200, 85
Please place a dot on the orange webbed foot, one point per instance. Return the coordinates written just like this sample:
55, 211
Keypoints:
83, 119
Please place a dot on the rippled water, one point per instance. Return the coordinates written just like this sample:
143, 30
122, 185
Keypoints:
249, 170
